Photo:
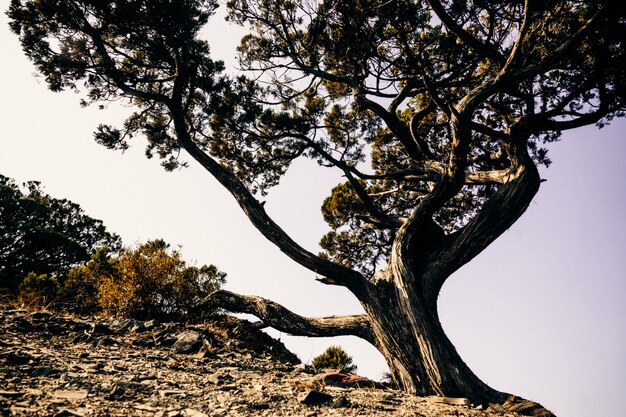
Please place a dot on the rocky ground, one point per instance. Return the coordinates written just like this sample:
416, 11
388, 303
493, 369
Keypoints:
52, 365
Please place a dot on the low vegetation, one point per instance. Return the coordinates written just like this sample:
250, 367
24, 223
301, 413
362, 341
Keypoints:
53, 255
334, 358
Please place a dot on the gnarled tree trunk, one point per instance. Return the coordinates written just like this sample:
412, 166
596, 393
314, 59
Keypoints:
421, 358
400, 302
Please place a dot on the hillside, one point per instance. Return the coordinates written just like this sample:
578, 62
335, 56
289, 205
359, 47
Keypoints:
53, 365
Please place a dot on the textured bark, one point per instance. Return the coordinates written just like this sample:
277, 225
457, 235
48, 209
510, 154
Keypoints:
421, 358
280, 318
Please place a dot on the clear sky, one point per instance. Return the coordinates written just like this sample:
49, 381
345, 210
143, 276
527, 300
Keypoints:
539, 314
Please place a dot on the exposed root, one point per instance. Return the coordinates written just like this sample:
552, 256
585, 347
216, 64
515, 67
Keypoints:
523, 407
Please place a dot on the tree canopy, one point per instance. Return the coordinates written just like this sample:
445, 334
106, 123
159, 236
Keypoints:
43, 234
428, 93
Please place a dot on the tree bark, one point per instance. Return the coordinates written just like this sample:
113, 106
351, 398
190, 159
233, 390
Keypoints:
400, 303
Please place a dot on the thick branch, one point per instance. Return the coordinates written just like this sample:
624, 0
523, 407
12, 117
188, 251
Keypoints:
340, 274
394, 124
415, 121
560, 125
488, 177
520, 38
280, 318
498, 214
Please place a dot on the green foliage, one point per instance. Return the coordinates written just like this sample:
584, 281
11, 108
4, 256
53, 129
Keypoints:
38, 290
334, 358
52, 253
80, 290
148, 281
94, 45
44, 235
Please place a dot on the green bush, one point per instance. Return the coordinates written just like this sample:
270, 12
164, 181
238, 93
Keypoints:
38, 290
143, 282
334, 358
81, 288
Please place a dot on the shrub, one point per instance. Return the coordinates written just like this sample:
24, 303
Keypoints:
334, 358
80, 290
38, 290
152, 281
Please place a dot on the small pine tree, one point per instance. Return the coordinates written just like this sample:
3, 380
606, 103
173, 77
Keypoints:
334, 358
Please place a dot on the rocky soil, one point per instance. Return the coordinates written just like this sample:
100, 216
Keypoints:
52, 365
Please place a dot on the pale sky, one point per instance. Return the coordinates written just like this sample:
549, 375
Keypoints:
539, 314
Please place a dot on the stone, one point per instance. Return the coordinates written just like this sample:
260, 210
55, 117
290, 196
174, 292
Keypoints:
69, 373
170, 393
151, 324
40, 315
340, 402
41, 371
204, 353
66, 412
191, 412
99, 328
143, 341
315, 397
215, 378
11, 394
72, 395
187, 342
448, 400
145, 407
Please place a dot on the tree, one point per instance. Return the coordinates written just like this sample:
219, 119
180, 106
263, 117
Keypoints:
449, 102
44, 235
334, 358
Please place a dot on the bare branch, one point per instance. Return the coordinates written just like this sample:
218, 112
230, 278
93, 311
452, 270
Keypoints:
520, 38
274, 315
488, 177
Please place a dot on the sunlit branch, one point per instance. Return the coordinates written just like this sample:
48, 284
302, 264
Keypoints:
520, 39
